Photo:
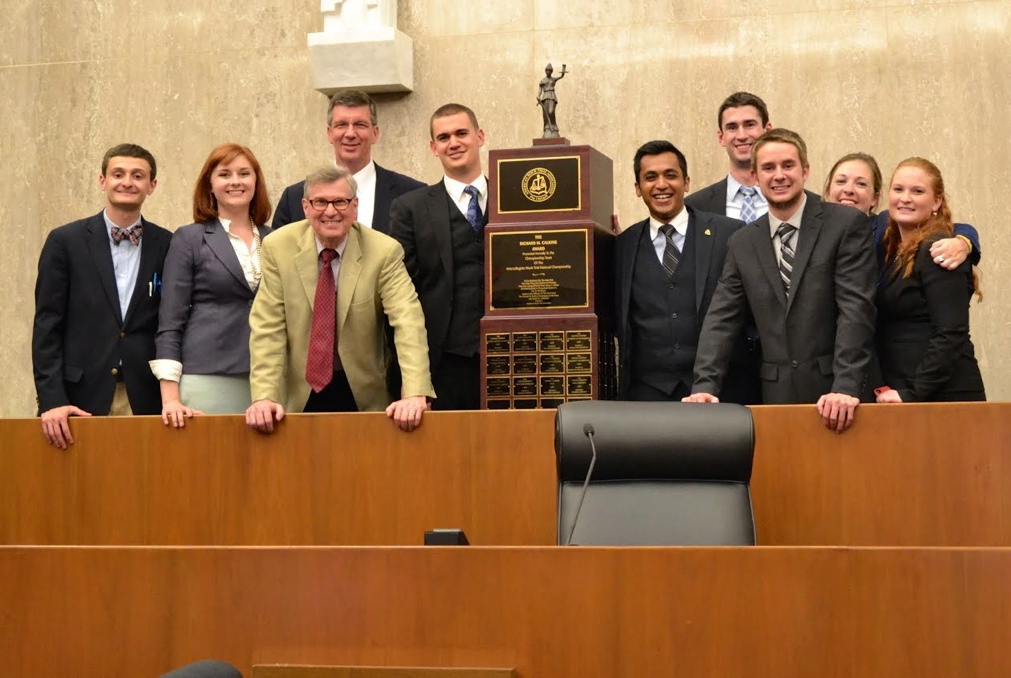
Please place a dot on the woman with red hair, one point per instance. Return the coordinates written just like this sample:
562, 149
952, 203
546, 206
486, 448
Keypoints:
922, 336
212, 272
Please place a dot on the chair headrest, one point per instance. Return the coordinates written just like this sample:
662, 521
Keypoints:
676, 441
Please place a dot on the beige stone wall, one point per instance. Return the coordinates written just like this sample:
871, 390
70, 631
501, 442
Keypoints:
888, 77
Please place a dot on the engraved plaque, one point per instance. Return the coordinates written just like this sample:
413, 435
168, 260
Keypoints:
539, 269
499, 386
552, 386
552, 342
525, 364
524, 386
525, 403
527, 185
499, 404
524, 342
552, 364
578, 341
579, 386
551, 402
497, 342
498, 364
579, 362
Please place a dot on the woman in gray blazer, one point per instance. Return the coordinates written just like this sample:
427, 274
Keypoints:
212, 271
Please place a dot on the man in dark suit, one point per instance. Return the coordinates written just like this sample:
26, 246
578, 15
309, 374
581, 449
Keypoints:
441, 230
806, 270
352, 130
96, 304
666, 269
742, 118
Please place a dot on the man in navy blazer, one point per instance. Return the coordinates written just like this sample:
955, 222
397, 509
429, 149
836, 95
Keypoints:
441, 230
660, 312
742, 118
96, 304
352, 130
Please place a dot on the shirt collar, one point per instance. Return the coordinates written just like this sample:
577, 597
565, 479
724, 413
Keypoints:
679, 222
110, 224
367, 174
455, 188
794, 219
340, 248
734, 189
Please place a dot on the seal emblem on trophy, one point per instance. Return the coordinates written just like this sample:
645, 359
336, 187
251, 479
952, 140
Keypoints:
538, 184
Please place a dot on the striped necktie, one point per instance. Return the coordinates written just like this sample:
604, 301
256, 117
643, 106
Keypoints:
785, 233
671, 253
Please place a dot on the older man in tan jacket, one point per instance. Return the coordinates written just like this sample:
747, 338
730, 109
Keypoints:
316, 358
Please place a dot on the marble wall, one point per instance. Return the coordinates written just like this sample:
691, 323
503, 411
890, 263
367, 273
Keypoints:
893, 78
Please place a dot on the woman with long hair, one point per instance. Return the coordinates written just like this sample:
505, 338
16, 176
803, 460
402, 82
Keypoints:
923, 343
212, 272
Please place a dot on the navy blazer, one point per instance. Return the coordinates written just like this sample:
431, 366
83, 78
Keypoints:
389, 186
204, 318
712, 233
80, 344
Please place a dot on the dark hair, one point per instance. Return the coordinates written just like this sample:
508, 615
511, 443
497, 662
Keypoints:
867, 160
656, 147
205, 205
739, 99
129, 151
781, 136
352, 98
451, 109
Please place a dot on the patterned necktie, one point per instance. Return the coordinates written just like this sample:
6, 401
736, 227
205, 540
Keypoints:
671, 253
748, 204
133, 233
474, 213
320, 365
785, 232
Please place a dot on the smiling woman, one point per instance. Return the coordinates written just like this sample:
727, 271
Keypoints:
212, 272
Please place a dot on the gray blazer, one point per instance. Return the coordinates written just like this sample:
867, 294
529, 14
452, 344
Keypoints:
820, 339
203, 321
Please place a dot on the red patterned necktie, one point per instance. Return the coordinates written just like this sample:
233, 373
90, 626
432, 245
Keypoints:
133, 233
319, 367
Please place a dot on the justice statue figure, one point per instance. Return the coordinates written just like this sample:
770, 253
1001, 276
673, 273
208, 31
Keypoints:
547, 100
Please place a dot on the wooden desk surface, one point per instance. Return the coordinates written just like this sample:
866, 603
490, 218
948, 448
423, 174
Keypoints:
556, 611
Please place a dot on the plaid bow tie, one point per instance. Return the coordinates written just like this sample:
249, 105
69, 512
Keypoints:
133, 233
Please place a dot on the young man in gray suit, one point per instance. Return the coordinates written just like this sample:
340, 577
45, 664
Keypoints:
807, 271
742, 118
352, 129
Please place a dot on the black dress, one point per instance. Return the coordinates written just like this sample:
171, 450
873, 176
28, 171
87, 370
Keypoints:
923, 332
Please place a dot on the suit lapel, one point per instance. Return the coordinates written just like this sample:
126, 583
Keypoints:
703, 254
149, 250
99, 250
807, 236
351, 268
766, 256
383, 198
439, 216
221, 246
628, 255
307, 264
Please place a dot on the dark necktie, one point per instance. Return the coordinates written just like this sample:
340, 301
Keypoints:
320, 364
671, 253
748, 204
473, 208
786, 233
133, 233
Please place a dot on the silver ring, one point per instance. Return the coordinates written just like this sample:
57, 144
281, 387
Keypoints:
940, 260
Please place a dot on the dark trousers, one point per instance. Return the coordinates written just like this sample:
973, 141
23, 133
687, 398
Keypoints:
335, 397
457, 382
643, 392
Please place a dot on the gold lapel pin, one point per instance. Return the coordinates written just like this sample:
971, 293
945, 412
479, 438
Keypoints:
708, 232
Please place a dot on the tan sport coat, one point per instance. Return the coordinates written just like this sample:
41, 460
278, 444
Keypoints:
372, 283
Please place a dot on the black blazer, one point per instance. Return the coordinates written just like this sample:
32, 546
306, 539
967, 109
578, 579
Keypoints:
389, 186
79, 341
923, 333
712, 198
420, 222
711, 235
203, 321
820, 339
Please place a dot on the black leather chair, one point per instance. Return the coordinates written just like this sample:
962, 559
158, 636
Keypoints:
666, 473
207, 668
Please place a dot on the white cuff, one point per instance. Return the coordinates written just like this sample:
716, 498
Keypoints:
166, 370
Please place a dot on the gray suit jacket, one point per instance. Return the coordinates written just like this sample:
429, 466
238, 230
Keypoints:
712, 198
203, 321
820, 339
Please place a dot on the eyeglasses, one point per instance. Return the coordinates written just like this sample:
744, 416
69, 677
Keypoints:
340, 204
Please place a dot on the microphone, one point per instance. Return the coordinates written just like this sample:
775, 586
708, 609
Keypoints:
588, 432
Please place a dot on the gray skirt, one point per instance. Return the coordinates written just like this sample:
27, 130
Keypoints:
215, 393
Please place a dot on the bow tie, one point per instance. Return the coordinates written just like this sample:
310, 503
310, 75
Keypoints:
133, 233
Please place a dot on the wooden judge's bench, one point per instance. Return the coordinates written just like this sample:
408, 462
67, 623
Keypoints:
884, 551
